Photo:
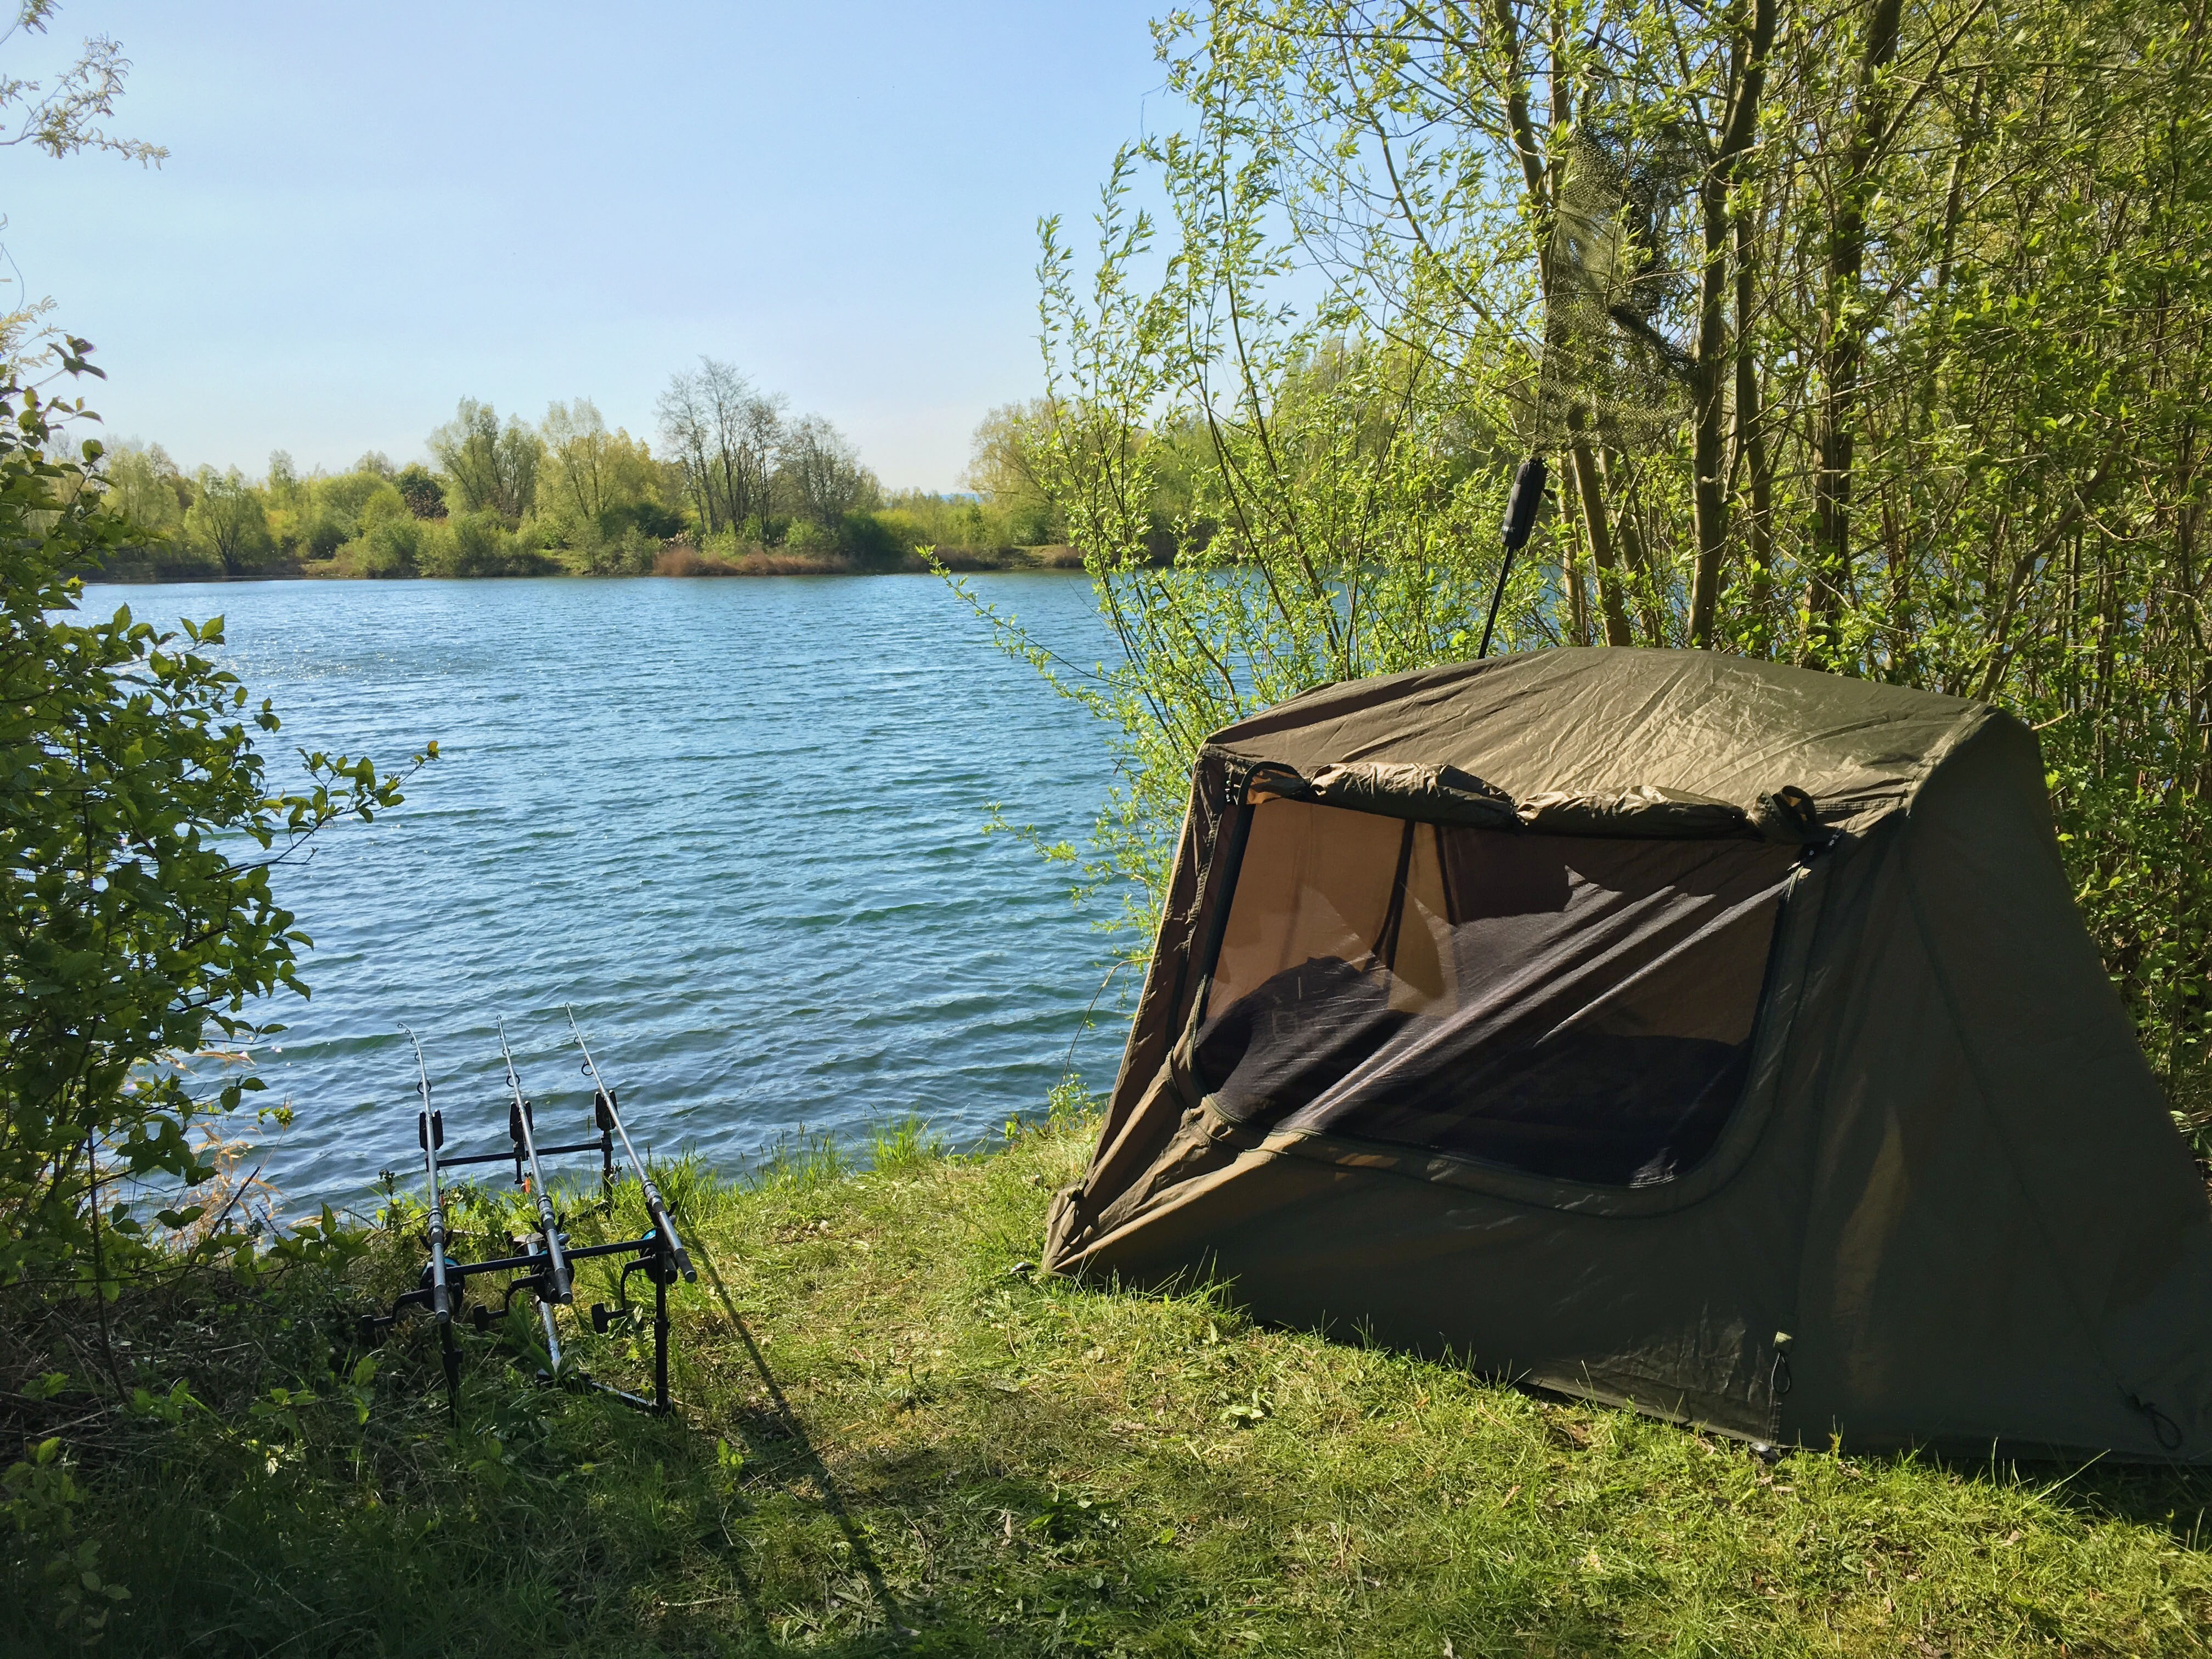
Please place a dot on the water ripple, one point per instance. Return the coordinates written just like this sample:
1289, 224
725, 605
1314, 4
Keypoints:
736, 823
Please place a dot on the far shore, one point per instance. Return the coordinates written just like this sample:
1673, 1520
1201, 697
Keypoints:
678, 559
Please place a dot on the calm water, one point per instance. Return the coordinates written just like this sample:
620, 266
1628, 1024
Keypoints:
736, 824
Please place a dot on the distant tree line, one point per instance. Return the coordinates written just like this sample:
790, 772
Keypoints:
735, 475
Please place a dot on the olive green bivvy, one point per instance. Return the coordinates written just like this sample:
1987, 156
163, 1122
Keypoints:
1668, 1028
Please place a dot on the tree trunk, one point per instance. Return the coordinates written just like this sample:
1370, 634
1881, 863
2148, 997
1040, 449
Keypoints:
1578, 615
1709, 377
1751, 444
1843, 327
1636, 558
1591, 489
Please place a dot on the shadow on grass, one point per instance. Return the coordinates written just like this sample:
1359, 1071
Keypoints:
2175, 1501
780, 1424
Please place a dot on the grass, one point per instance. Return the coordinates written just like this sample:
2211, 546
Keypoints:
896, 1438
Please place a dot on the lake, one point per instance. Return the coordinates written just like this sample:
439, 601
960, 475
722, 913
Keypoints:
738, 824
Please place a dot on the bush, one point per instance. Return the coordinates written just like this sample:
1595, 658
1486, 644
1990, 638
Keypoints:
647, 517
136, 838
155, 562
806, 536
324, 537
391, 547
481, 544
630, 554
867, 538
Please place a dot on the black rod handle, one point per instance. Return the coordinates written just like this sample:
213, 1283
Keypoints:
1522, 506
1521, 510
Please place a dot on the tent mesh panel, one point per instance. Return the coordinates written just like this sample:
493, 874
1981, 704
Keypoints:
1572, 1006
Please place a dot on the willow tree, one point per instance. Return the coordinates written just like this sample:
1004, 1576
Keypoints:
1916, 290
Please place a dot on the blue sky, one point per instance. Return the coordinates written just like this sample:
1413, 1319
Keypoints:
370, 212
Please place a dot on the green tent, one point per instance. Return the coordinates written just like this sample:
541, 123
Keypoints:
1671, 1030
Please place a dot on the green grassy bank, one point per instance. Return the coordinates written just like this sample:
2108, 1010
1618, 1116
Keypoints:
894, 1438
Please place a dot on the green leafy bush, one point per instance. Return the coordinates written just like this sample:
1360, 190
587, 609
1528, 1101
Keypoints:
806, 536
138, 833
391, 547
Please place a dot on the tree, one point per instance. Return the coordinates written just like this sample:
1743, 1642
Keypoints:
684, 433
593, 473
136, 840
283, 488
821, 473
488, 467
577, 442
343, 508
424, 496
145, 489
726, 437
229, 519
1004, 464
1865, 338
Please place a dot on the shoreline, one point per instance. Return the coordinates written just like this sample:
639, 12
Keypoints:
679, 562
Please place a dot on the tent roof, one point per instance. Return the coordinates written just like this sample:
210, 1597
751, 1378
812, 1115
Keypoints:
1593, 721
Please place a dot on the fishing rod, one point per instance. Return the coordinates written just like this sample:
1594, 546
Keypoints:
544, 1265
1520, 520
558, 1285
441, 1287
430, 1125
608, 1118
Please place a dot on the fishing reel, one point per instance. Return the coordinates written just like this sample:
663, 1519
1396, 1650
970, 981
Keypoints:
370, 1328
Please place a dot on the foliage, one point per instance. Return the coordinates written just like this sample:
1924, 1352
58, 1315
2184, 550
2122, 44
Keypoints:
821, 473
419, 488
1006, 468
62, 118
1263, 505
61, 115
490, 468
887, 1424
748, 473
1919, 293
392, 547
139, 830
152, 496
723, 435
146, 487
920, 518
593, 473
508, 498
227, 519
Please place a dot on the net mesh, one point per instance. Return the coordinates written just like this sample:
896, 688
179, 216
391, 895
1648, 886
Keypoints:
1617, 304
1576, 1006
